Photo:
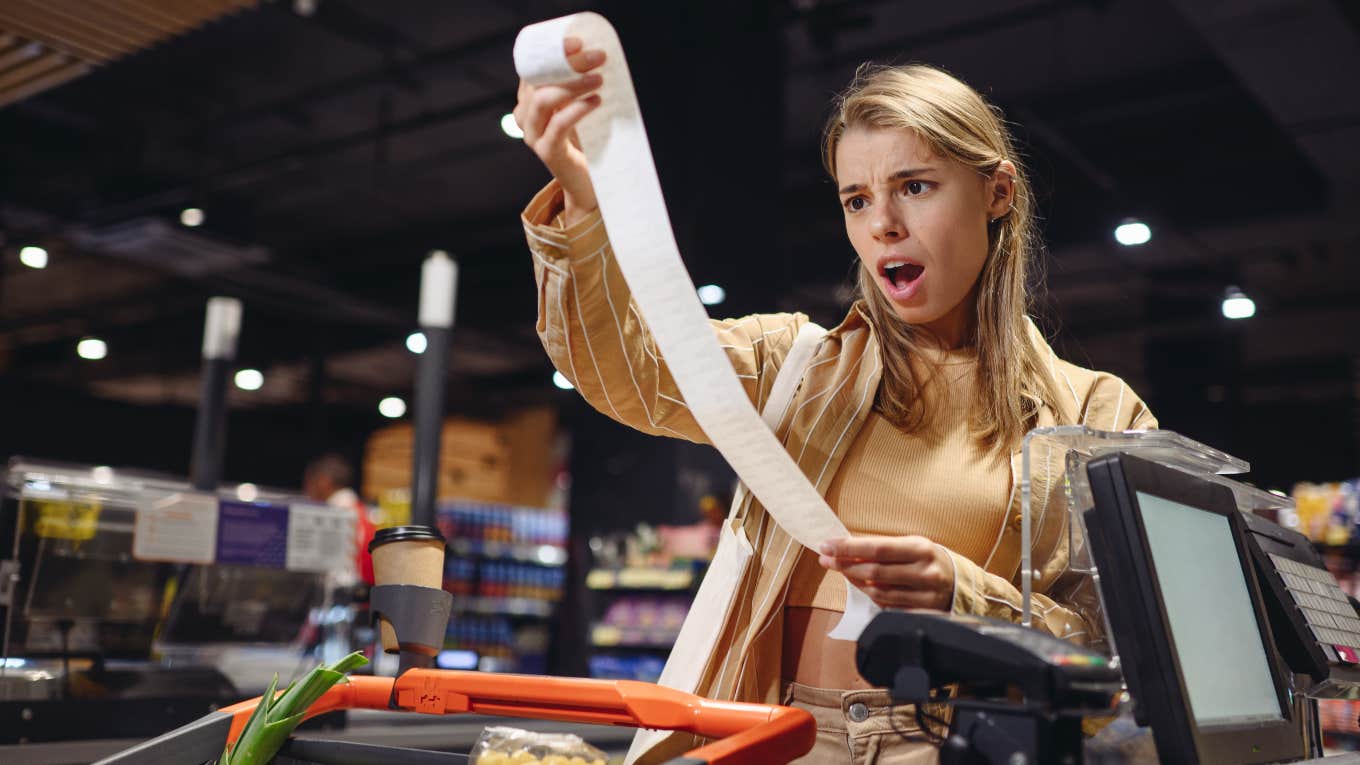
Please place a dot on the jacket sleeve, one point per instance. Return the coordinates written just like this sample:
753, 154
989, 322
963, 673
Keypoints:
596, 338
1065, 603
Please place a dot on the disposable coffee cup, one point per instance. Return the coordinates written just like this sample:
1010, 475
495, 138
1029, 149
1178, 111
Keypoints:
411, 555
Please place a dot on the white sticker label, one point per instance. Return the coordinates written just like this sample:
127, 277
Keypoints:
320, 538
180, 528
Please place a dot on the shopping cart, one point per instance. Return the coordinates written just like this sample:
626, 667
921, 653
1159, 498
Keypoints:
745, 733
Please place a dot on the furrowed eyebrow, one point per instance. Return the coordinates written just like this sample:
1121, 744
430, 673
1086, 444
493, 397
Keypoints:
900, 175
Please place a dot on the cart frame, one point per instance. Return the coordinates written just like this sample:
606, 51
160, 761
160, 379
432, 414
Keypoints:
745, 733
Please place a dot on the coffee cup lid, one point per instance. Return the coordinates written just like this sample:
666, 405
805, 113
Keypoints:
404, 534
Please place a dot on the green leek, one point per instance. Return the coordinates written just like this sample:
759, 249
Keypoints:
277, 715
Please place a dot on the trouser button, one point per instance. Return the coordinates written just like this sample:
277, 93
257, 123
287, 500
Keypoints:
859, 712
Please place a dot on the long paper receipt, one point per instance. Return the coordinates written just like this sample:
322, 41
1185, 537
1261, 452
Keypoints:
629, 193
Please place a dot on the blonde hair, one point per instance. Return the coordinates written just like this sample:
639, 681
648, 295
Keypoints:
957, 123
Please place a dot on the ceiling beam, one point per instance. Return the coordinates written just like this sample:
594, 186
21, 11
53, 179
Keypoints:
254, 171
983, 24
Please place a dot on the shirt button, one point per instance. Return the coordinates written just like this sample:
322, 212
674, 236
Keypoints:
859, 712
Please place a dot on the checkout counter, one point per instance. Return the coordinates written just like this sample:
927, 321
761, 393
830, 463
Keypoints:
1222, 630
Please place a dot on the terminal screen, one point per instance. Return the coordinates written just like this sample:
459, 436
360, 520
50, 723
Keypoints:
1213, 621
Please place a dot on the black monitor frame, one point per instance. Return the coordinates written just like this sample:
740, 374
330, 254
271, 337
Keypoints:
1142, 631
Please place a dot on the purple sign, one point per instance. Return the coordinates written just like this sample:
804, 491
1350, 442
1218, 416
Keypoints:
251, 535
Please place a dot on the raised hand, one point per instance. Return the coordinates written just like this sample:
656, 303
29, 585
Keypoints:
548, 115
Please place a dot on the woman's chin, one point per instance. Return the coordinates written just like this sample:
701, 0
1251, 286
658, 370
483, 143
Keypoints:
915, 315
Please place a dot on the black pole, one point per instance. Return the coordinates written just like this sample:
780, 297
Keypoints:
210, 428
438, 279
429, 416
220, 332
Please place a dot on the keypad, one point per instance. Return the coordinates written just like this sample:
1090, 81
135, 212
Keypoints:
1325, 607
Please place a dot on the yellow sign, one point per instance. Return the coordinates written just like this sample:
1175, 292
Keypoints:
394, 508
65, 520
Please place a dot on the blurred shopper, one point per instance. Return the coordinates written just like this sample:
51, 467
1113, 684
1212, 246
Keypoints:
329, 479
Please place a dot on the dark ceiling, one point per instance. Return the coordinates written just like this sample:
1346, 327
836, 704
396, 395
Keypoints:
332, 150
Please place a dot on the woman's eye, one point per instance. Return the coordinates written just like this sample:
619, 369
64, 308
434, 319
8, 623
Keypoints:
916, 188
855, 204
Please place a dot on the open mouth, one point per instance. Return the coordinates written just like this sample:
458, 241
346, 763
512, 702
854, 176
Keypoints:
902, 274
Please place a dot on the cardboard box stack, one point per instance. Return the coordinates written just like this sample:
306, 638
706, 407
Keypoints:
511, 462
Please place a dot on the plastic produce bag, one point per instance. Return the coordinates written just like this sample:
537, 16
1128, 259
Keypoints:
501, 745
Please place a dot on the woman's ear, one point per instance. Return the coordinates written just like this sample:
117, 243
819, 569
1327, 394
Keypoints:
1001, 188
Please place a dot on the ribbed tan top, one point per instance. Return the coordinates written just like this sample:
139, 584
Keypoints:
938, 483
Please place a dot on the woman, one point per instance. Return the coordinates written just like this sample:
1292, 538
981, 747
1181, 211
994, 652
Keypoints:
909, 418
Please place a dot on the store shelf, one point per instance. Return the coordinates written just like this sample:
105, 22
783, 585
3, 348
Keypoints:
645, 666
608, 636
478, 604
543, 555
640, 579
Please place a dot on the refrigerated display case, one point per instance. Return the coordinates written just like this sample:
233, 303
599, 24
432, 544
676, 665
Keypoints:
130, 603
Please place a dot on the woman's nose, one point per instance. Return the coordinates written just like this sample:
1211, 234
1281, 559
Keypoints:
887, 225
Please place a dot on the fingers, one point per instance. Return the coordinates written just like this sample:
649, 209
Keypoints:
895, 598
557, 132
909, 575
538, 105
523, 97
585, 60
880, 549
547, 113
893, 581
895, 572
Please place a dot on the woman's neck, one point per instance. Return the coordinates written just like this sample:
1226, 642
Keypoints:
936, 356
954, 330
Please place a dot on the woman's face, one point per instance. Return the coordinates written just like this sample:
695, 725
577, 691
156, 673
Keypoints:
919, 224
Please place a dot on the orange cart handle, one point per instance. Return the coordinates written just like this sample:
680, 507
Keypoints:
745, 732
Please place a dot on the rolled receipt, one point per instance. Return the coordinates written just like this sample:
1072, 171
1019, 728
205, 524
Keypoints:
629, 193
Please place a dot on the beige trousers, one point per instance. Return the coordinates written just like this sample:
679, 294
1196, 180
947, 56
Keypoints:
860, 728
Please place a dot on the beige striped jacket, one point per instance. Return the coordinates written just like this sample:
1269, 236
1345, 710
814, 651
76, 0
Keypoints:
596, 338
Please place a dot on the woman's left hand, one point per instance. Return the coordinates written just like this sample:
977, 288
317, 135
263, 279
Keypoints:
895, 572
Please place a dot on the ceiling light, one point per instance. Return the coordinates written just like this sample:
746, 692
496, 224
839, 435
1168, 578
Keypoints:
192, 216
711, 294
249, 379
247, 492
392, 407
561, 381
33, 257
416, 342
511, 127
1237, 305
92, 349
1132, 232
